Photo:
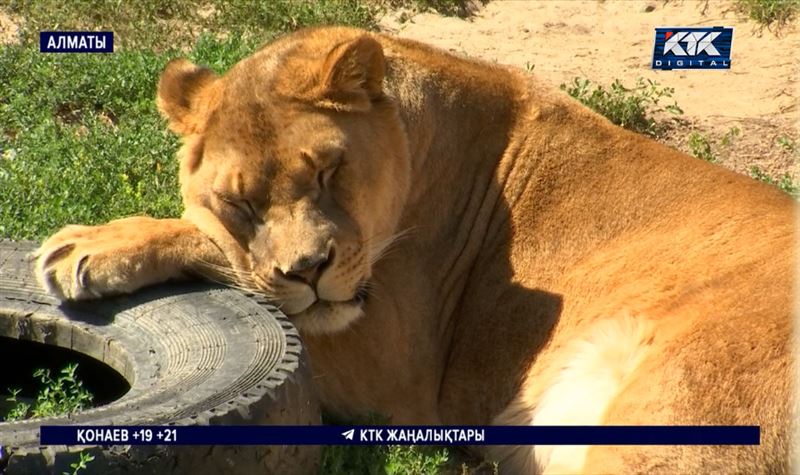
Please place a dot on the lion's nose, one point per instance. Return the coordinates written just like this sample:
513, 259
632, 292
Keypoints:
309, 268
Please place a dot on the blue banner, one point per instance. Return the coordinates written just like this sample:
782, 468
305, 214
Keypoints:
400, 435
693, 48
76, 41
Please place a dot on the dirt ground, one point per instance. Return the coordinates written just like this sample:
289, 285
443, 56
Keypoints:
606, 40
9, 28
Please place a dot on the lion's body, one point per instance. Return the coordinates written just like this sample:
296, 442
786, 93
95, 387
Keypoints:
557, 269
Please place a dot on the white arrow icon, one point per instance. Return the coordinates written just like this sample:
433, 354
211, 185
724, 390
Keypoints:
348, 434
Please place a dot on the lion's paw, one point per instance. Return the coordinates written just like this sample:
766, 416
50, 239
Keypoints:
85, 262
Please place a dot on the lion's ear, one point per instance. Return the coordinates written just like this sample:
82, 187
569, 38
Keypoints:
185, 96
352, 74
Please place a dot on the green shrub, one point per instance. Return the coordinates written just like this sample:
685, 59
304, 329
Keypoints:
632, 108
768, 12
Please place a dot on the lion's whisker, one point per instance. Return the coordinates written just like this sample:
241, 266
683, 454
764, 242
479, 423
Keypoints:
382, 248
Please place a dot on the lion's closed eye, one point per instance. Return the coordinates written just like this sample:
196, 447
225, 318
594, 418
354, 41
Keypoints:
326, 163
239, 208
325, 175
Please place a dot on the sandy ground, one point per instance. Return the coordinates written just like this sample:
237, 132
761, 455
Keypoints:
606, 40
9, 28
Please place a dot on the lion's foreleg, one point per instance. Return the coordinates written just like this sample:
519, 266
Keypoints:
84, 262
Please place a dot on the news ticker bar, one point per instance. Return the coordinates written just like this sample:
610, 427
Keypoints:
400, 435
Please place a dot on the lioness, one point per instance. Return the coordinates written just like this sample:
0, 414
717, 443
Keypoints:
459, 243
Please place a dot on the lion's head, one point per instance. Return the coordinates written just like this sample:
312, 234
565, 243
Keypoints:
296, 164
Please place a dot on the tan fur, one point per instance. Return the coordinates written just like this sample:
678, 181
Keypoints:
593, 370
553, 269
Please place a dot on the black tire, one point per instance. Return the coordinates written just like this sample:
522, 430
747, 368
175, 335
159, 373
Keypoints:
193, 354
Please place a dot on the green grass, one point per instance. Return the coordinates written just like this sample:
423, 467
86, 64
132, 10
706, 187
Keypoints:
383, 460
81, 140
353, 459
164, 24
413, 460
379, 459
631, 107
769, 12
248, 17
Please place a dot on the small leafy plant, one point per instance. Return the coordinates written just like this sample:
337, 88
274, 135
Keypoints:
784, 182
81, 464
62, 395
732, 133
768, 12
632, 108
704, 148
788, 144
701, 148
58, 396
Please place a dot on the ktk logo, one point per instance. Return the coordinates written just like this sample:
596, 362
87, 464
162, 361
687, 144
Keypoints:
697, 42
686, 47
